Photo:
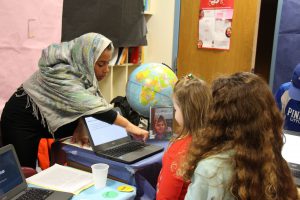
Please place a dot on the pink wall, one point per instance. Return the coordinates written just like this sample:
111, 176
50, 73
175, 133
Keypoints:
26, 27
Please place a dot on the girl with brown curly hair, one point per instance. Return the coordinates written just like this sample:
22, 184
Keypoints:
191, 99
238, 155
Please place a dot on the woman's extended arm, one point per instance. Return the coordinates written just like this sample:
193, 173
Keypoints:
111, 116
134, 130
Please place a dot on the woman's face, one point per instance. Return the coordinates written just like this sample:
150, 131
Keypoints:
178, 114
101, 66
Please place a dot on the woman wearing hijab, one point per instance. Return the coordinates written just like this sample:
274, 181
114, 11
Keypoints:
64, 89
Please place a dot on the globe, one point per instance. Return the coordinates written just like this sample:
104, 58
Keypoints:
150, 84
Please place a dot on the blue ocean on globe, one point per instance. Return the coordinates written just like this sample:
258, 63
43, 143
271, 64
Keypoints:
150, 84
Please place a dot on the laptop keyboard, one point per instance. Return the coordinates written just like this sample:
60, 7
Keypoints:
295, 169
36, 194
296, 173
125, 148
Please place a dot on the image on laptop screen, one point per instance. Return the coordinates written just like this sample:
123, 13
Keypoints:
102, 132
10, 176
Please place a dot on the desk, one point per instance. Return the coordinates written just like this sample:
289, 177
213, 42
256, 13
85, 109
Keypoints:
142, 174
108, 192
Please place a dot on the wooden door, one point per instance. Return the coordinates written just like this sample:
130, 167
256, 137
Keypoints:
207, 63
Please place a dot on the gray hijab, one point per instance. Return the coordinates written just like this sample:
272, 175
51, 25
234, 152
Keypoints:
65, 86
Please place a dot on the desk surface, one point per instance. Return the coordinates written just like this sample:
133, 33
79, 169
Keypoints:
142, 174
117, 169
109, 192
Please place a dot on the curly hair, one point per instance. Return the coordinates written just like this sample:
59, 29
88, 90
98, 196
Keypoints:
244, 118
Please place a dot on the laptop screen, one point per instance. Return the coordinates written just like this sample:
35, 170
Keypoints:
291, 147
102, 132
10, 176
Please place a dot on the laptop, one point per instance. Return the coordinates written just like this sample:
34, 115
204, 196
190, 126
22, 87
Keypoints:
113, 142
12, 180
290, 153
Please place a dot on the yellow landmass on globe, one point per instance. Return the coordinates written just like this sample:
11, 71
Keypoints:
141, 76
147, 95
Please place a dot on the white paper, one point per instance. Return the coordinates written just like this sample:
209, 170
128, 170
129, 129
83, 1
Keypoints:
62, 178
68, 142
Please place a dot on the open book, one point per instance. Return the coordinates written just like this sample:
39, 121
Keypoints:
161, 122
62, 178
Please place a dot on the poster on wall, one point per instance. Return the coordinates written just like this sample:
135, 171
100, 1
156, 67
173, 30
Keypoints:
215, 18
